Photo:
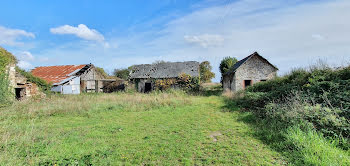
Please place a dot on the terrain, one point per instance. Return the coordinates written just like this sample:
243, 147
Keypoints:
171, 128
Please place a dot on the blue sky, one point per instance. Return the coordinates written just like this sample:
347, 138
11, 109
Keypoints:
117, 34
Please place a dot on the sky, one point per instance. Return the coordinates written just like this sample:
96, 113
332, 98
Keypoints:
117, 34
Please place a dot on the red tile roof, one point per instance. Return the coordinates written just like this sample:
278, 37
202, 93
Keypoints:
55, 74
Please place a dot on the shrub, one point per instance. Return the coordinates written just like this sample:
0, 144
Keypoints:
5, 91
320, 97
298, 110
6, 58
165, 84
6, 95
184, 81
188, 82
325, 86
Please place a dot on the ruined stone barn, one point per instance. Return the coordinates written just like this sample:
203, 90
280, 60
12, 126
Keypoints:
72, 79
248, 71
22, 88
144, 76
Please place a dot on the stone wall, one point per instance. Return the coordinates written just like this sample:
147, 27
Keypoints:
254, 69
141, 84
12, 74
226, 82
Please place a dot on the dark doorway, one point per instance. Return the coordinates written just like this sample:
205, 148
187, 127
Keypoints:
247, 83
20, 93
148, 87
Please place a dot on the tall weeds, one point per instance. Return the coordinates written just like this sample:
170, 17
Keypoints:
5, 90
304, 115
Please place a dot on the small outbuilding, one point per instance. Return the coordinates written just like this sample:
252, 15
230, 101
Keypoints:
144, 76
72, 79
22, 88
248, 71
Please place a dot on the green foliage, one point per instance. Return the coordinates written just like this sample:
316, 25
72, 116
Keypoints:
205, 72
165, 84
42, 84
188, 82
297, 111
6, 94
103, 73
122, 73
319, 96
299, 144
184, 81
6, 58
226, 64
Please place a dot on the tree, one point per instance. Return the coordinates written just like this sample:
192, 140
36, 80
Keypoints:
226, 64
104, 73
122, 73
205, 72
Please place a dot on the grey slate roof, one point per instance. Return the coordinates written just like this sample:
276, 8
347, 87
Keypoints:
165, 70
241, 62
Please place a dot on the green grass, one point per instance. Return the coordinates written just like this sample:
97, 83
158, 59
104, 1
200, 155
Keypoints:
299, 145
130, 129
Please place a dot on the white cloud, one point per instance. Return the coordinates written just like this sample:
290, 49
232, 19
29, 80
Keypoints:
25, 65
289, 35
318, 37
205, 40
11, 36
81, 31
284, 33
25, 55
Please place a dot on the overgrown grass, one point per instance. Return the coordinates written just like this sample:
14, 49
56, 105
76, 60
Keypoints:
324, 99
129, 129
303, 115
6, 58
5, 91
300, 145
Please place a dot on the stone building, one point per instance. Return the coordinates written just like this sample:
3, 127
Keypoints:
144, 76
22, 88
72, 79
248, 71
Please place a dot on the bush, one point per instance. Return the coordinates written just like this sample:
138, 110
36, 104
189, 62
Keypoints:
165, 84
327, 87
297, 110
6, 58
184, 81
5, 91
6, 95
188, 82
319, 97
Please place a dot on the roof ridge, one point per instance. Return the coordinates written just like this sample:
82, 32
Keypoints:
61, 65
167, 62
242, 61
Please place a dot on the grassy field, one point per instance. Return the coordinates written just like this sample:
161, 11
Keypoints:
132, 129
